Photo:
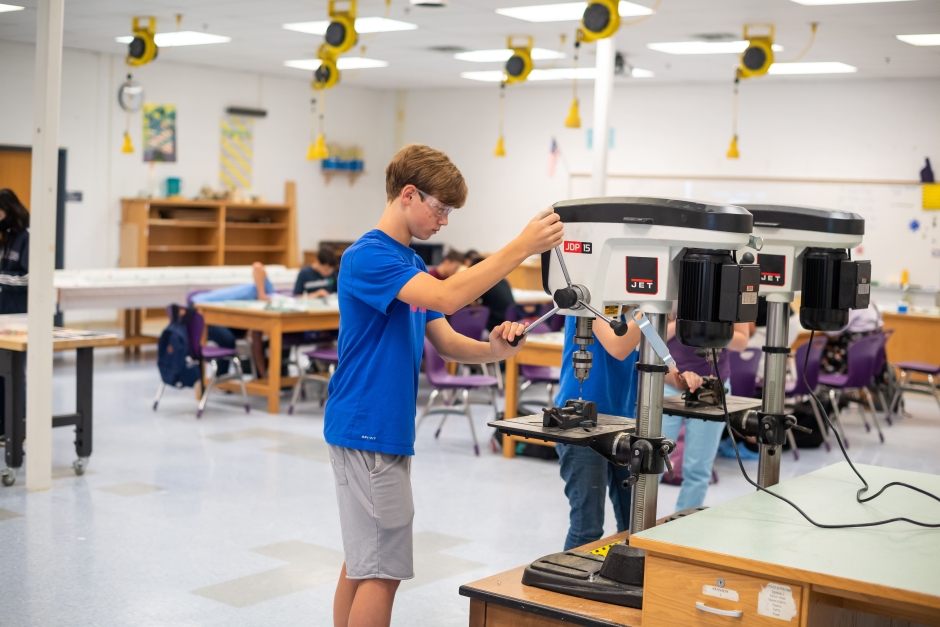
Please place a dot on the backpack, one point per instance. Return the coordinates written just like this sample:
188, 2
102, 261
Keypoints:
174, 357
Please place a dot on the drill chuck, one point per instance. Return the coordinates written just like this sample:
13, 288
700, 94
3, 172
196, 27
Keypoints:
582, 359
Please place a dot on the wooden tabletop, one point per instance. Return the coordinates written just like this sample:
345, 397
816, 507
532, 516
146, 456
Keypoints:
297, 307
897, 561
506, 589
16, 339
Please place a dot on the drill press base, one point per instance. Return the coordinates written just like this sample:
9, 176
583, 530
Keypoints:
531, 427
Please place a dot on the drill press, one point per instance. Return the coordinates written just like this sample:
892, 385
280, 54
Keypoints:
648, 253
804, 250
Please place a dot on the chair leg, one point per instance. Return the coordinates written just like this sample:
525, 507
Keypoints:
837, 417
933, 385
821, 426
437, 433
551, 394
861, 412
525, 386
792, 441
156, 401
241, 382
427, 408
298, 388
473, 431
874, 416
884, 405
896, 401
205, 393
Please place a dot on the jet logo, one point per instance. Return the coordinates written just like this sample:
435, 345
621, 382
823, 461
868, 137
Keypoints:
772, 269
642, 275
577, 247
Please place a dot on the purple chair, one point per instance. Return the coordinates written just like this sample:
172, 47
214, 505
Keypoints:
328, 355
798, 390
470, 321
862, 357
916, 367
744, 367
449, 385
201, 354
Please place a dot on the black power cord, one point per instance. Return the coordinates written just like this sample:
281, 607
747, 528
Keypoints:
858, 495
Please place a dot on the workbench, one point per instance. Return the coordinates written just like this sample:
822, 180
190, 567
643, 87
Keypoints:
311, 314
761, 563
13, 345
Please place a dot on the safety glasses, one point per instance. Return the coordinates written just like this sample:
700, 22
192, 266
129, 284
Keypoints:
440, 208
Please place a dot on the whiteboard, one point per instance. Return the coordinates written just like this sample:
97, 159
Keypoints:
898, 233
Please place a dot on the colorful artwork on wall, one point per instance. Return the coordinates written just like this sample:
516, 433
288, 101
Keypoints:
159, 133
237, 150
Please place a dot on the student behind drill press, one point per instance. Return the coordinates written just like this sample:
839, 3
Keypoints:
612, 385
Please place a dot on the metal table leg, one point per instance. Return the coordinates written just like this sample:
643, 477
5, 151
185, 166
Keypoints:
84, 376
13, 371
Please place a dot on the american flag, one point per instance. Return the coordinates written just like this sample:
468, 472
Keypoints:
553, 158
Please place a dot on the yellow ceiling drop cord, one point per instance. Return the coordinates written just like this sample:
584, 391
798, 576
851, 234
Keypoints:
812, 40
500, 146
574, 117
645, 17
733, 149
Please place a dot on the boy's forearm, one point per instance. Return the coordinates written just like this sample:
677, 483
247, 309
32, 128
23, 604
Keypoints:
466, 351
619, 347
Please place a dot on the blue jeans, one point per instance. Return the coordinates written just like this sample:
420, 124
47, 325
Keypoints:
588, 478
701, 446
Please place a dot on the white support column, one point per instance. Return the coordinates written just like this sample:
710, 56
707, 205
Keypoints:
603, 97
42, 220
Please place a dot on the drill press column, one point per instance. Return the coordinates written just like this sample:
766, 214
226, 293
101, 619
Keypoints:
775, 377
649, 423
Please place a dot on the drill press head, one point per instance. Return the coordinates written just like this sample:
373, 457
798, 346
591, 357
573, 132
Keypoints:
808, 250
644, 252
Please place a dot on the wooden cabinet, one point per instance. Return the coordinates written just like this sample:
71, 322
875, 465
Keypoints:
170, 232
686, 595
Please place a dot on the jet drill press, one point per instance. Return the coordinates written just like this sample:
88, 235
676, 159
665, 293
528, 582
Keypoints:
649, 253
804, 250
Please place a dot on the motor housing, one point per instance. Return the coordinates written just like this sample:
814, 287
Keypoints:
715, 292
832, 284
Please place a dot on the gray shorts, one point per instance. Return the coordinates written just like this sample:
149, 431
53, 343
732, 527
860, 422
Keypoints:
376, 511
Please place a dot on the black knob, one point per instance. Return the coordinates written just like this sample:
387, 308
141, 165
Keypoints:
566, 297
620, 328
515, 341
747, 258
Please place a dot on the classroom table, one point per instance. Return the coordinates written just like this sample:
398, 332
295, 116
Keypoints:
274, 318
135, 289
13, 345
530, 297
540, 349
759, 561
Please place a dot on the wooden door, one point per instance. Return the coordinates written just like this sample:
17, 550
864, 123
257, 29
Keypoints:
16, 172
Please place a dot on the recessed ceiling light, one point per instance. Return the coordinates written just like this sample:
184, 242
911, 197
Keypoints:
567, 11
503, 54
343, 63
704, 47
181, 38
364, 26
822, 2
638, 73
821, 67
553, 74
9, 7
921, 40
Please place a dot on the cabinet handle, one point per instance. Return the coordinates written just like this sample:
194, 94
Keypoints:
714, 610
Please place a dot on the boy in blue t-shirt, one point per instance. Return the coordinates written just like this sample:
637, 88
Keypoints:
388, 303
612, 385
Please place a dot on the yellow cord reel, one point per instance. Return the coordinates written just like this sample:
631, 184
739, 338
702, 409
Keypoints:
143, 49
759, 54
519, 64
341, 33
327, 75
601, 20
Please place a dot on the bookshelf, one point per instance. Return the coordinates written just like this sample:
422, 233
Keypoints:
159, 232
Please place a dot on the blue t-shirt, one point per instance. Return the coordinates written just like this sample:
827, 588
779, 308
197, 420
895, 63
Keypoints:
375, 387
245, 291
612, 383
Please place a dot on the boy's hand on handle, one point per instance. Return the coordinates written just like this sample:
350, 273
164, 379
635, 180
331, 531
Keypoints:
543, 232
501, 336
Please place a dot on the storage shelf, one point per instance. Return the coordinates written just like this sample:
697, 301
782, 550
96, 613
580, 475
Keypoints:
255, 225
254, 249
190, 224
256, 207
183, 248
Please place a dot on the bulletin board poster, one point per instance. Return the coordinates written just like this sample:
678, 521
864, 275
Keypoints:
159, 133
237, 150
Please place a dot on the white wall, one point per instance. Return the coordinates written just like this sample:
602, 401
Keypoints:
853, 129
93, 125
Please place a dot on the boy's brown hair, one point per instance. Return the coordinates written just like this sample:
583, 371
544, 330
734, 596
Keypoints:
429, 170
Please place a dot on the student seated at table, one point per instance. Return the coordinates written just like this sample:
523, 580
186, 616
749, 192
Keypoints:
453, 261
498, 298
14, 262
319, 278
259, 289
